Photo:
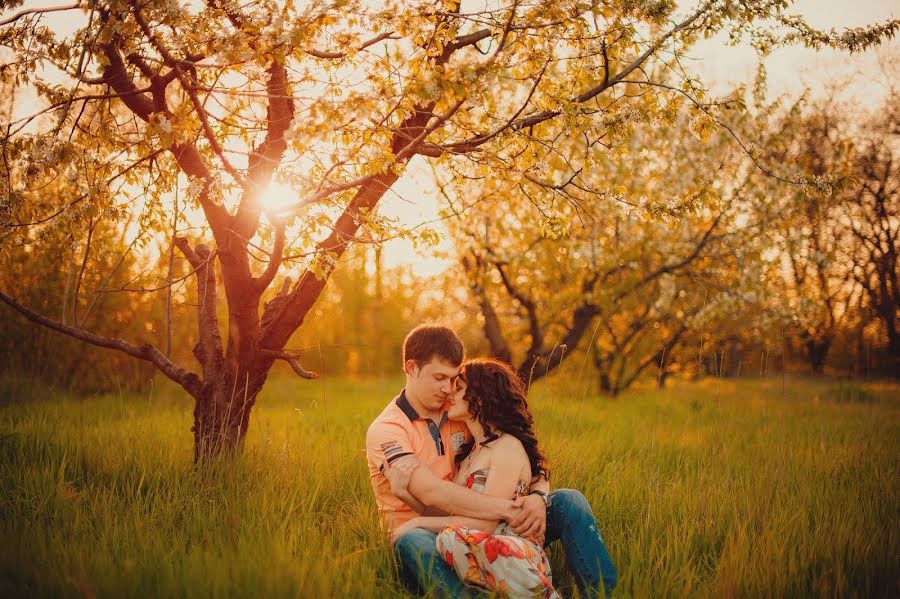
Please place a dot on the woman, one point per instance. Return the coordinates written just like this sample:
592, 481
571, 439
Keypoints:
501, 460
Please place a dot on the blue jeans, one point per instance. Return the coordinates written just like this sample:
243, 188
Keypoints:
569, 521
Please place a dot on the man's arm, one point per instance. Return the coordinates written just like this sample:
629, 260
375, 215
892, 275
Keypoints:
387, 444
531, 521
456, 499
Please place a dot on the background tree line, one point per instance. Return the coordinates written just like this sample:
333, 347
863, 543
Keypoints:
138, 188
783, 257
699, 261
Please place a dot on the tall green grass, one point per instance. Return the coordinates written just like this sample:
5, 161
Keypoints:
722, 488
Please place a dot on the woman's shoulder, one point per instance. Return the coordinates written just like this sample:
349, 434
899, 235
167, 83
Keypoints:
507, 443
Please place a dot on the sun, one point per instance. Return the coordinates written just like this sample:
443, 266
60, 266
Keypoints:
277, 198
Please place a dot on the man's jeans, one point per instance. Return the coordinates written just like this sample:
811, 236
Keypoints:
569, 520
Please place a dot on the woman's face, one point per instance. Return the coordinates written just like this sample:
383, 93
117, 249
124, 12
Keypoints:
458, 407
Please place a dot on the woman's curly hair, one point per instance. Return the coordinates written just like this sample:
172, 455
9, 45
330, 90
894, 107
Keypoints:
497, 400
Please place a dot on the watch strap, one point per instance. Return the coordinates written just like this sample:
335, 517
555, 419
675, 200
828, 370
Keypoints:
542, 495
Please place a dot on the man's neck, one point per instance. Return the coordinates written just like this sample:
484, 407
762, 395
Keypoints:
420, 409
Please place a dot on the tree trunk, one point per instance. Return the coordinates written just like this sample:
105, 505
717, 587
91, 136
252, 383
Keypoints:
661, 380
606, 386
735, 359
817, 352
215, 429
222, 409
893, 338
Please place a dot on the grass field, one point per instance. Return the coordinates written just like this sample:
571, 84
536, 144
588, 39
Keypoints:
719, 488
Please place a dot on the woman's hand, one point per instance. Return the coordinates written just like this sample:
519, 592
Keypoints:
399, 474
403, 529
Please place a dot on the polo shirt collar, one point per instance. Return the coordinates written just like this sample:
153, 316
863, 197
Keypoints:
406, 407
433, 429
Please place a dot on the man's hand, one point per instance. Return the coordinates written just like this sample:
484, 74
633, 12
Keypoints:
400, 473
402, 530
531, 522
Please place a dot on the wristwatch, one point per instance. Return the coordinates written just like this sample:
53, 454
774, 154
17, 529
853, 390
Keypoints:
543, 496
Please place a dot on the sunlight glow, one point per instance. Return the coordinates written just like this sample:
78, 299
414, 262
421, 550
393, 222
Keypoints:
278, 198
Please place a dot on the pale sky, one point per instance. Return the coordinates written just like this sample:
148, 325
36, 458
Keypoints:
793, 69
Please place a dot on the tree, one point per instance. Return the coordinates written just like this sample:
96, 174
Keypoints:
45, 270
625, 282
873, 215
808, 230
333, 99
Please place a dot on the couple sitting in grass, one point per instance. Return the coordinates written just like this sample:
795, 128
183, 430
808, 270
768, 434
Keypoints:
461, 483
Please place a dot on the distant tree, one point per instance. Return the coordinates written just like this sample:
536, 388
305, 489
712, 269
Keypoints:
807, 228
630, 283
220, 98
46, 271
873, 216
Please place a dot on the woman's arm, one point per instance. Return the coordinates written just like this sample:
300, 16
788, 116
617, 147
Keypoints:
531, 522
399, 476
540, 483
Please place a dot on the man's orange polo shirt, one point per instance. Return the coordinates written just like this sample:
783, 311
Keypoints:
400, 431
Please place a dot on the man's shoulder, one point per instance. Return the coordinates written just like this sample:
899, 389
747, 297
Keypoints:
390, 415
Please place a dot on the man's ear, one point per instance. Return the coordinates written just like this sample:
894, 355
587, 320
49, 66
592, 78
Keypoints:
411, 368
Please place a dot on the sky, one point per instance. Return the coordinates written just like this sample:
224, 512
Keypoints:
793, 69
790, 71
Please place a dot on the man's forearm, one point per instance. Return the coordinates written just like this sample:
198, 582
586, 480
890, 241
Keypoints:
412, 502
456, 499
439, 523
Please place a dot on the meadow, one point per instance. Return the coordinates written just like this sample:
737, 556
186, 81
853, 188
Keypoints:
720, 488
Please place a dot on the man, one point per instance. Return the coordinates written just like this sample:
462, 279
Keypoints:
413, 430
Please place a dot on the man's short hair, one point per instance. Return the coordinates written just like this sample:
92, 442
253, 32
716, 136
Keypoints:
428, 341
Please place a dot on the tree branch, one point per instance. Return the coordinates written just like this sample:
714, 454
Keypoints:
275, 260
186, 155
32, 11
467, 40
534, 325
401, 152
334, 55
608, 82
188, 380
208, 350
175, 65
292, 360
492, 328
267, 156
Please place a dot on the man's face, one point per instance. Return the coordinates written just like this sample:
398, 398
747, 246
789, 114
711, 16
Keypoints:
431, 383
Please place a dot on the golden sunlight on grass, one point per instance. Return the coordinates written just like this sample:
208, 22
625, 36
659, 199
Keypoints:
750, 494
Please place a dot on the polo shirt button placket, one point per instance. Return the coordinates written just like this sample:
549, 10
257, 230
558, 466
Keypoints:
436, 435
